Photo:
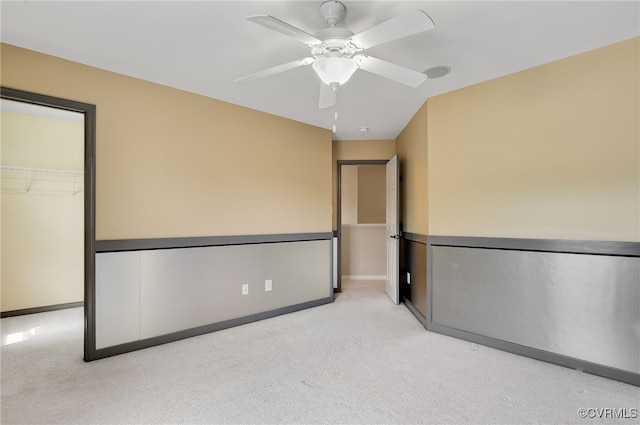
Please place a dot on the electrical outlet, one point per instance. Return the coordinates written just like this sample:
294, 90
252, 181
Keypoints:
409, 278
268, 285
245, 289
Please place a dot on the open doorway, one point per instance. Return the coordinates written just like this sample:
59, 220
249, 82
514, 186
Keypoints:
361, 221
48, 199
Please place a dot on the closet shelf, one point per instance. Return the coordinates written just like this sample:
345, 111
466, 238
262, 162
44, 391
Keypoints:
12, 169
44, 181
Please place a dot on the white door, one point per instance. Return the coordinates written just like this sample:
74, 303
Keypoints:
393, 237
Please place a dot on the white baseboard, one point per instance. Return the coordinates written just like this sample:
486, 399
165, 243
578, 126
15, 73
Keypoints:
364, 277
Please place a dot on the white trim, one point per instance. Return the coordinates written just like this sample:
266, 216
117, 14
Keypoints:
364, 277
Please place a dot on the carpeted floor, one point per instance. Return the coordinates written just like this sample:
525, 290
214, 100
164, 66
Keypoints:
360, 360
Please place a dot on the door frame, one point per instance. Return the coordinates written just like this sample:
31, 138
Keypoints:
339, 209
89, 112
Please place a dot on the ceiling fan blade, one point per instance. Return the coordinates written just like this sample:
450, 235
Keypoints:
393, 29
275, 70
327, 95
391, 71
284, 28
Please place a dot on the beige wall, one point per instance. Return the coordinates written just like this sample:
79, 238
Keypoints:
372, 183
364, 251
42, 251
551, 152
175, 164
414, 190
357, 150
41, 142
349, 194
42, 230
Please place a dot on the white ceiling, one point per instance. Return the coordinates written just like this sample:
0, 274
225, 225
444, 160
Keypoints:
203, 46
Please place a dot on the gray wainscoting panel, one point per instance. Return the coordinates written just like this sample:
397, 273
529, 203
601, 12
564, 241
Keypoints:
415, 276
186, 288
578, 305
149, 294
117, 298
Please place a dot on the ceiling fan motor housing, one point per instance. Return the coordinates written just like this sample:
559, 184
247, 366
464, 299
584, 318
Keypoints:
334, 40
332, 12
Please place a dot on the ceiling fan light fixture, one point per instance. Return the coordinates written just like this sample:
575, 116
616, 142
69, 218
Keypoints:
334, 70
336, 51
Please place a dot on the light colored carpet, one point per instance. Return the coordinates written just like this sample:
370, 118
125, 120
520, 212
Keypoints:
360, 360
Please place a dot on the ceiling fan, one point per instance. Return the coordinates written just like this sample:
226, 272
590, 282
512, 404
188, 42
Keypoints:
336, 52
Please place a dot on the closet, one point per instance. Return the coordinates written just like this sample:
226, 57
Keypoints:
42, 208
